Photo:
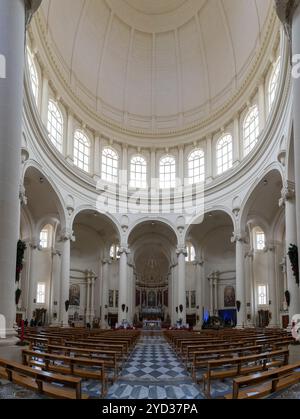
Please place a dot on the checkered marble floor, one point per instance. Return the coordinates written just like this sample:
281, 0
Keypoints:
154, 372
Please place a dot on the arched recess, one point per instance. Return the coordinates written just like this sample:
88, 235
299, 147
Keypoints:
92, 272
262, 267
153, 246
216, 264
44, 205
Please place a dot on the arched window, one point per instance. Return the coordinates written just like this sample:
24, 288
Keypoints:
251, 130
110, 165
81, 151
55, 125
114, 251
46, 237
167, 172
224, 154
34, 79
191, 254
196, 167
138, 172
259, 238
273, 83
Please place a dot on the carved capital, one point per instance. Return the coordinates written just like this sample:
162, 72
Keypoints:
122, 250
107, 261
181, 251
287, 193
67, 234
238, 237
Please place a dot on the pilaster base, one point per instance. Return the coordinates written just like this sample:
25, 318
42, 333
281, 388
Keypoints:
10, 339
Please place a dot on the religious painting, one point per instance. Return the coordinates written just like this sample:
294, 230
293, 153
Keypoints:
166, 298
117, 299
229, 296
193, 299
187, 299
151, 299
111, 298
74, 295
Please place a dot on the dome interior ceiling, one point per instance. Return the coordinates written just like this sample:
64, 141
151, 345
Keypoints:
154, 64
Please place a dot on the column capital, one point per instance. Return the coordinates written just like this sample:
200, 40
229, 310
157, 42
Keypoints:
56, 253
287, 193
31, 7
67, 234
106, 261
238, 237
181, 251
122, 250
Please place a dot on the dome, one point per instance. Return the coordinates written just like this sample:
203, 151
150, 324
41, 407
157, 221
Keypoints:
155, 64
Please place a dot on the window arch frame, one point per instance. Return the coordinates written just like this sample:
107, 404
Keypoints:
52, 128
170, 181
82, 152
33, 74
224, 166
202, 167
46, 242
251, 130
113, 176
134, 174
258, 231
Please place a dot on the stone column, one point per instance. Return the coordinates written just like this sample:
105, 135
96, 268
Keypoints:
239, 241
211, 294
66, 237
92, 306
181, 254
251, 288
216, 294
104, 295
55, 285
123, 284
34, 250
272, 285
288, 201
13, 18
199, 278
88, 299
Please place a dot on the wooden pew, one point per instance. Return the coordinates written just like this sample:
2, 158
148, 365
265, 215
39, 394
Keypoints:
261, 385
68, 365
240, 366
111, 359
42, 381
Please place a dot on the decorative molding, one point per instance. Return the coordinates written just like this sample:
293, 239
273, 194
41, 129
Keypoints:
122, 250
67, 234
22, 195
181, 251
238, 237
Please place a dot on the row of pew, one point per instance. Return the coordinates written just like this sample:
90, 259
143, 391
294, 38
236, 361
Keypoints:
256, 360
56, 360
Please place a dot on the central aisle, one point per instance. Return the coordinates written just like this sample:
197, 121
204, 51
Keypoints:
154, 372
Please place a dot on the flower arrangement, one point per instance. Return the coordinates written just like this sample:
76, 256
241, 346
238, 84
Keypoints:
293, 255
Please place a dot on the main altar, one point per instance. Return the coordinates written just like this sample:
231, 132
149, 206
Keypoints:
152, 324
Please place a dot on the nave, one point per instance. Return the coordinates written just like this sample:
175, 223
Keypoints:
151, 365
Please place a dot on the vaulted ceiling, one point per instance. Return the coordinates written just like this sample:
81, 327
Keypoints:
157, 63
